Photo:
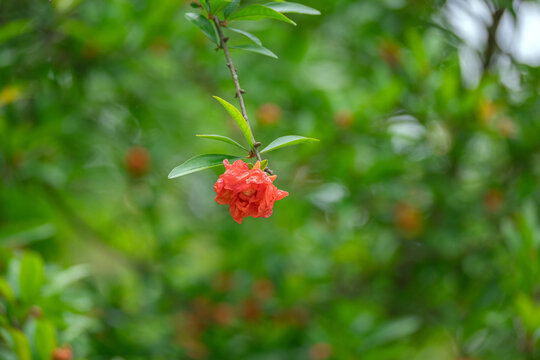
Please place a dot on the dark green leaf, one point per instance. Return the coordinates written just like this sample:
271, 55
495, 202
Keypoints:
44, 339
231, 8
205, 25
255, 48
287, 141
224, 139
259, 12
199, 163
289, 7
237, 116
30, 277
247, 34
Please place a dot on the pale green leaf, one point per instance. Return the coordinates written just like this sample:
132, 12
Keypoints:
259, 12
64, 278
256, 49
224, 139
288, 140
30, 277
237, 116
199, 163
290, 7
205, 25
247, 34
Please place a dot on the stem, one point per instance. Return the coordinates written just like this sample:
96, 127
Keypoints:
239, 91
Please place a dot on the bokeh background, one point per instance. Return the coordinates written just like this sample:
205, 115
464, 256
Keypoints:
411, 230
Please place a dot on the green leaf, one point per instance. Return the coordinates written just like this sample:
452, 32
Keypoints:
287, 141
5, 291
247, 34
231, 8
64, 278
290, 7
24, 234
44, 339
205, 25
224, 139
204, 5
259, 12
30, 277
255, 48
20, 344
14, 28
237, 116
199, 163
218, 5
264, 164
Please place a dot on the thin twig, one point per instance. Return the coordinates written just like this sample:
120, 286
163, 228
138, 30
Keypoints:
239, 90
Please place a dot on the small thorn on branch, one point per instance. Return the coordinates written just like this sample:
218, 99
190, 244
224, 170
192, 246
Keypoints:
225, 39
256, 145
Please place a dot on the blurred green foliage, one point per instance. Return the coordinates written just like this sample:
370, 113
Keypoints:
411, 231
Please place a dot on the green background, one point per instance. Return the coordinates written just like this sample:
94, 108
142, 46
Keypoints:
410, 232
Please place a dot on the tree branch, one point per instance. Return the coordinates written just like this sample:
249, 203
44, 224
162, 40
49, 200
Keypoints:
239, 91
491, 45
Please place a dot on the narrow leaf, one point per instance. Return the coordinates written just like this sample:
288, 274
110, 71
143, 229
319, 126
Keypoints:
288, 140
30, 277
5, 291
259, 12
204, 5
21, 344
255, 48
44, 339
205, 25
231, 8
218, 5
290, 7
247, 34
224, 139
237, 116
199, 163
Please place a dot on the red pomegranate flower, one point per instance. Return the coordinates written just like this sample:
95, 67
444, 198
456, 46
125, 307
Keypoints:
247, 192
